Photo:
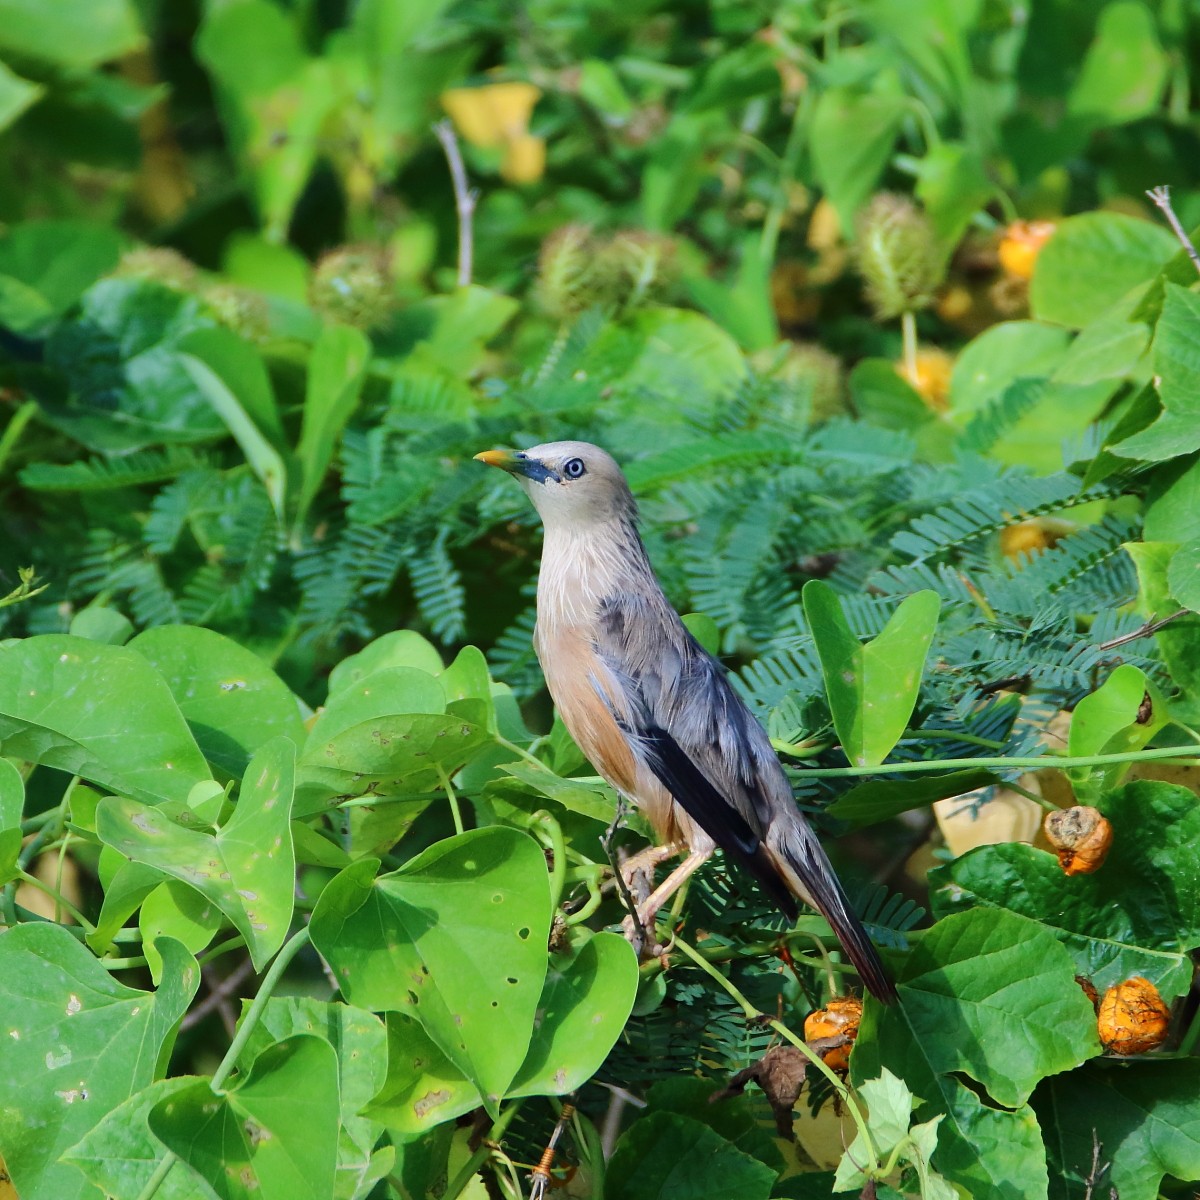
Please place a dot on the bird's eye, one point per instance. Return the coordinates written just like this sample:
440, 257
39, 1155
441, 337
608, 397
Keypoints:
573, 468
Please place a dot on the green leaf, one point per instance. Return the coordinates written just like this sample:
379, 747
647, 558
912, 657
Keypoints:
1176, 359
16, 95
336, 369
1183, 575
129, 884
179, 912
400, 648
240, 366
667, 1156
872, 688
952, 186
12, 805
73, 1045
389, 731
1093, 261
274, 1137
247, 869
98, 711
881, 799
992, 997
1121, 715
230, 698
999, 357
1108, 348
1139, 914
890, 1105
265, 461
46, 265
1145, 1118
584, 1006
423, 1088
97, 623
589, 797
851, 137
120, 1153
457, 937
100, 30
1125, 69
358, 1037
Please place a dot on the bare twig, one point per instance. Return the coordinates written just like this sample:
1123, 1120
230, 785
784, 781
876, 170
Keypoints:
1162, 197
465, 199
1143, 631
218, 996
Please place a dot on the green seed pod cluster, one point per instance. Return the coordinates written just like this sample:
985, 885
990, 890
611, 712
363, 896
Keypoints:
239, 309
578, 269
566, 281
813, 369
897, 255
354, 285
159, 265
635, 267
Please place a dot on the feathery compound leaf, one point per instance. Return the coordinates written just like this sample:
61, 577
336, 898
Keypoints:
107, 474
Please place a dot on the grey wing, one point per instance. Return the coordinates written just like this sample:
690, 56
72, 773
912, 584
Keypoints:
695, 733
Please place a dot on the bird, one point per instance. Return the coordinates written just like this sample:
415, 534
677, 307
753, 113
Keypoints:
650, 707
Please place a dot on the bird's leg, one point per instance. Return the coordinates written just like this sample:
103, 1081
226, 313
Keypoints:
648, 909
638, 869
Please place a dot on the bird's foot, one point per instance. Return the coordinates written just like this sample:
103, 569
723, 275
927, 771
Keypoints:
643, 937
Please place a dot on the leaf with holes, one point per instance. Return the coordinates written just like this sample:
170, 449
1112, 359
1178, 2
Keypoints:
273, 1137
988, 1007
1139, 914
102, 712
456, 937
584, 1007
247, 869
872, 688
74, 1044
120, 1153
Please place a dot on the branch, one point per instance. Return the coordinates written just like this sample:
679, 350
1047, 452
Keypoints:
1143, 631
1162, 197
465, 199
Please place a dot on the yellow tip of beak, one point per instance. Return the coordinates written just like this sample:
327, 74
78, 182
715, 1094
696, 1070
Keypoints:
496, 458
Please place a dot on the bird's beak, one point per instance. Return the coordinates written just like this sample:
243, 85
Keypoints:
506, 460
516, 463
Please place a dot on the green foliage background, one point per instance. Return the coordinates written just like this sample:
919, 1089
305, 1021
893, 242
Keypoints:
271, 724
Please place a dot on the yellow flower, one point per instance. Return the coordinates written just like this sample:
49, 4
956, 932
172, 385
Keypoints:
1021, 245
524, 159
931, 378
492, 115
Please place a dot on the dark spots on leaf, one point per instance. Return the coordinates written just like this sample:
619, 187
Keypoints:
1145, 709
497, 899
495, 1003
523, 934
412, 998
512, 979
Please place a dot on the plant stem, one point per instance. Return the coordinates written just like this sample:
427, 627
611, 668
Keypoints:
1032, 763
753, 1014
60, 901
471, 1166
449, 789
270, 981
14, 429
908, 332
465, 199
558, 851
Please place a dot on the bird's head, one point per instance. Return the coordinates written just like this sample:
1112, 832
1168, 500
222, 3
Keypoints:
570, 483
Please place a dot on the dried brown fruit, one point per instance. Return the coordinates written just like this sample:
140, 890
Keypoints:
1088, 990
837, 1024
1133, 1017
780, 1074
1080, 837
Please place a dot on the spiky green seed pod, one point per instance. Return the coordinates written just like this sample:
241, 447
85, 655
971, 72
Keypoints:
239, 309
897, 255
813, 369
566, 280
159, 265
354, 285
635, 267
